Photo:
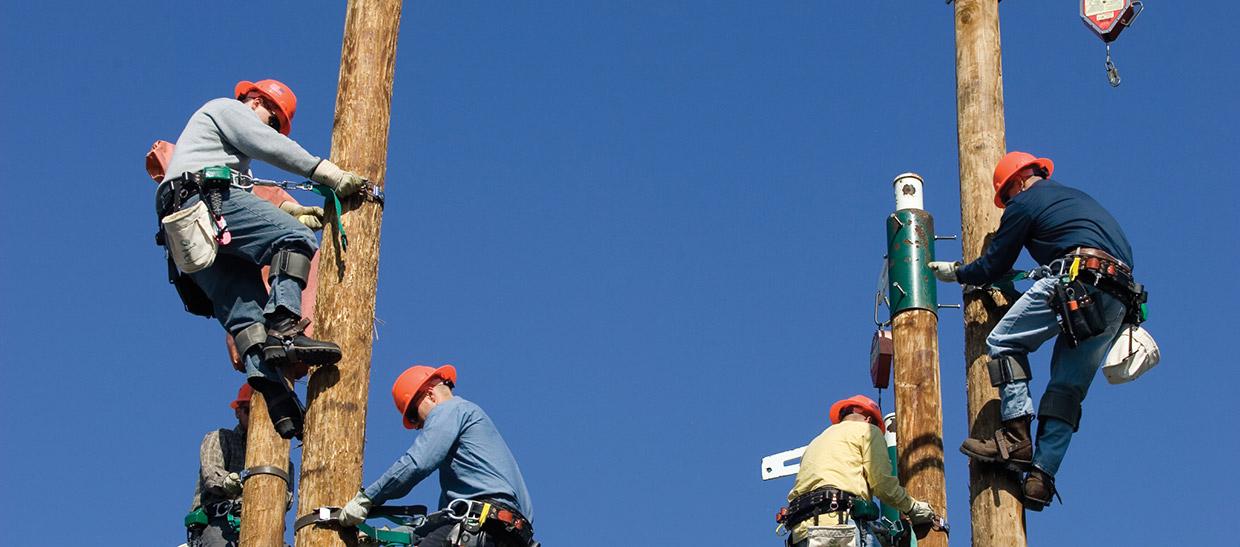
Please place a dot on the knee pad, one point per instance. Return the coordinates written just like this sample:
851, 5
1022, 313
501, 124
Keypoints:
1005, 369
290, 263
250, 338
1061, 405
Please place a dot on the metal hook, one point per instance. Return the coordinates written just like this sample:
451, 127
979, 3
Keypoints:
1112, 72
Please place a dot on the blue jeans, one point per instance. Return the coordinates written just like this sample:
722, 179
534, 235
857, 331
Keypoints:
1030, 322
235, 282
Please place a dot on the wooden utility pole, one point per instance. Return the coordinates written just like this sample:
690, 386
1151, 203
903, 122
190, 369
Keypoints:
265, 497
997, 514
331, 469
915, 335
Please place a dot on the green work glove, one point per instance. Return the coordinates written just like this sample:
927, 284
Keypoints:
945, 271
343, 182
232, 484
311, 217
921, 513
355, 511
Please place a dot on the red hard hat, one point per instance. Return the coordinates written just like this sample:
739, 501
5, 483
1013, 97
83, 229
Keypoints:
243, 396
867, 406
1012, 163
412, 381
276, 92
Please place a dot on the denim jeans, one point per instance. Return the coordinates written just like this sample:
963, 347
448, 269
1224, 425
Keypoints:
1030, 322
235, 283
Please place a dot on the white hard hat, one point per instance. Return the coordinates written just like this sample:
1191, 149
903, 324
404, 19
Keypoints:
1132, 353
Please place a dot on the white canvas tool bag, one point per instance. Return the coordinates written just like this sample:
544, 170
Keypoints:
1132, 354
190, 237
840, 535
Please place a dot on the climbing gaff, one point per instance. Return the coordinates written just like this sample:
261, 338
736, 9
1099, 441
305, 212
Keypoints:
1107, 19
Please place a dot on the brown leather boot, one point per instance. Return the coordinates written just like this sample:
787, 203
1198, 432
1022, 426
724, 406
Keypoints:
1039, 488
1011, 445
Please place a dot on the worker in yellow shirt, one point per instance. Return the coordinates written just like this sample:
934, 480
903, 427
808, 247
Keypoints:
844, 465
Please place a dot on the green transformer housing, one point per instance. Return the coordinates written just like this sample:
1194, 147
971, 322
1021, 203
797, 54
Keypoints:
910, 249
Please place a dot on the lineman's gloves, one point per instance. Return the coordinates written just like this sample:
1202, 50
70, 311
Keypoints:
343, 182
355, 511
232, 484
921, 513
312, 217
945, 271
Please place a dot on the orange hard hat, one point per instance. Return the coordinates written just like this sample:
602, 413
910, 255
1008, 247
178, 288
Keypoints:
412, 381
1011, 164
243, 396
867, 406
276, 92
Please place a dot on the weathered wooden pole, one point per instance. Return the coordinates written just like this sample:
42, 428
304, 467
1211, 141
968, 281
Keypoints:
915, 337
265, 497
331, 468
997, 514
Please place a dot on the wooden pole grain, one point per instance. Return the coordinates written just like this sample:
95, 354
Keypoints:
331, 470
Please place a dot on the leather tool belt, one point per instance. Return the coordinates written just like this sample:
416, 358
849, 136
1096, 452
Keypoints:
810, 505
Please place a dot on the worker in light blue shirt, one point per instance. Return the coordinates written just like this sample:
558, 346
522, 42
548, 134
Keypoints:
478, 476
1070, 235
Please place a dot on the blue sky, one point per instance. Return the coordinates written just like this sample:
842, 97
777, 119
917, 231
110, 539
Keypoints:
646, 233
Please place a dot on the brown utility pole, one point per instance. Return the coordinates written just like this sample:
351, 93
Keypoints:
915, 336
331, 469
265, 496
997, 514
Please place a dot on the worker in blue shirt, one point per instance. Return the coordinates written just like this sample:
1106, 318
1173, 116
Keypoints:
1069, 235
483, 501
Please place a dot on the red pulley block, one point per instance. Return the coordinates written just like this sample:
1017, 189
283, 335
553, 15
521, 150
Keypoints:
881, 351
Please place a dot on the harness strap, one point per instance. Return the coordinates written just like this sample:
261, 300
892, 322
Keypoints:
250, 338
264, 470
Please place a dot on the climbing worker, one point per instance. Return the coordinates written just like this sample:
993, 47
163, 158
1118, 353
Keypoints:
841, 470
215, 514
483, 502
1083, 289
219, 235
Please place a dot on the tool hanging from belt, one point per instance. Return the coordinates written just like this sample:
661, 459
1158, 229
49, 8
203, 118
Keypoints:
228, 509
1082, 272
474, 514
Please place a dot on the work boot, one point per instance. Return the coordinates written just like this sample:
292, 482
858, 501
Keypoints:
1039, 488
1011, 446
288, 415
287, 343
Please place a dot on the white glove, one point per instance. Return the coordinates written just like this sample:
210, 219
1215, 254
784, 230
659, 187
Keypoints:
232, 484
921, 512
312, 217
343, 182
355, 511
945, 271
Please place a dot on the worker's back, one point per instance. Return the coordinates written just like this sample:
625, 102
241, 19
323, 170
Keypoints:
837, 457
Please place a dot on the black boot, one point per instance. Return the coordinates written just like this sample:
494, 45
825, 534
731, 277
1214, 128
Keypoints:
1011, 445
287, 413
287, 343
1039, 488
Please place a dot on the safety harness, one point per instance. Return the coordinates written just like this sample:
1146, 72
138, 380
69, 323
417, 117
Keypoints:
819, 501
473, 516
200, 517
1082, 272
493, 516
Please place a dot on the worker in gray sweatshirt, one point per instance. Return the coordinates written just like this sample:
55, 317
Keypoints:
249, 234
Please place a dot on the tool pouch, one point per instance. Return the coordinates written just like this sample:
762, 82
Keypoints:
837, 535
863, 510
1080, 314
189, 236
